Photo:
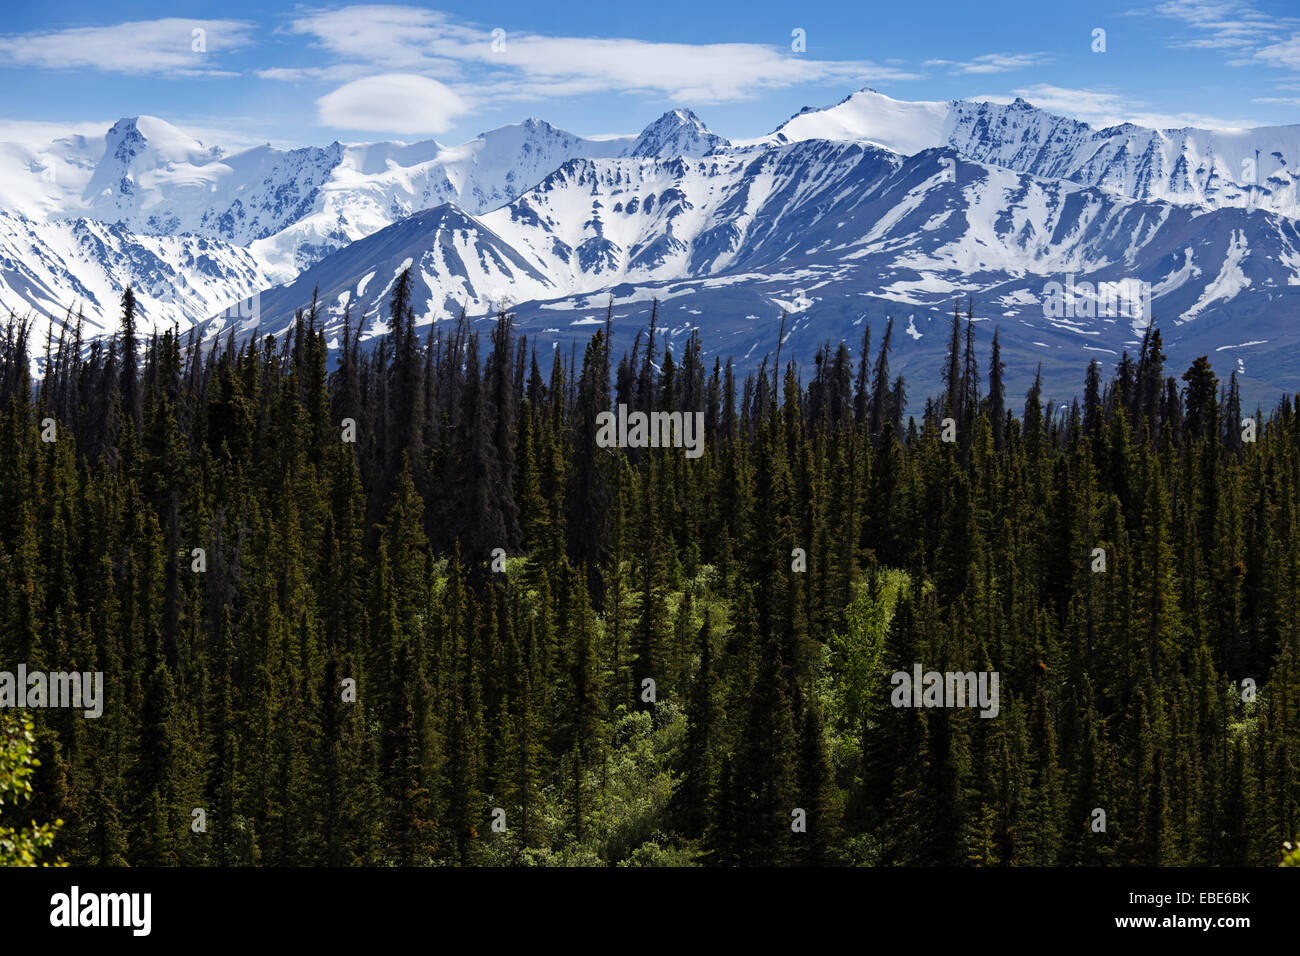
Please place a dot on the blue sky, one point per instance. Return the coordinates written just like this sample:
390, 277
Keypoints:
300, 74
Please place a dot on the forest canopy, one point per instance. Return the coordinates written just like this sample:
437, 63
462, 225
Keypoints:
404, 608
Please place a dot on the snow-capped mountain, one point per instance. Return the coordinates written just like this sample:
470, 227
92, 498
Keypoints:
47, 268
676, 133
869, 117
1249, 168
295, 206
265, 213
153, 179
873, 206
914, 231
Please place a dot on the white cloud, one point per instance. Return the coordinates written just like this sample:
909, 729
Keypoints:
165, 47
229, 132
1235, 27
1185, 120
1284, 53
340, 73
40, 133
1092, 106
532, 66
1101, 108
396, 102
991, 63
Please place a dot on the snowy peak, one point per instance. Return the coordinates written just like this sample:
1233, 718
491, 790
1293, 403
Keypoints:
904, 202
143, 155
519, 142
848, 220
456, 262
47, 267
871, 117
150, 139
676, 133
1212, 169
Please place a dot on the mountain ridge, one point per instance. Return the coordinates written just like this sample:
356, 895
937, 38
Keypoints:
994, 200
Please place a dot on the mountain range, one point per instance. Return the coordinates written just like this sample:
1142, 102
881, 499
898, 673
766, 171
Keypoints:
870, 208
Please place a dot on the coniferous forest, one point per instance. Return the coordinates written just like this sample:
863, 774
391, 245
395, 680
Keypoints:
401, 608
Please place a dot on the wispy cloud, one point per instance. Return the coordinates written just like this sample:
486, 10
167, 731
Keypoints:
339, 73
1236, 28
173, 46
508, 65
1103, 108
1284, 53
991, 63
228, 132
